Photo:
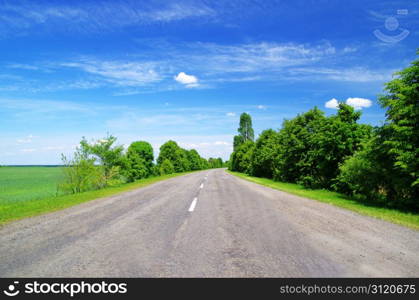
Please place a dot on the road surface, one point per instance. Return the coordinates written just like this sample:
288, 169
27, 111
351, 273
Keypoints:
206, 224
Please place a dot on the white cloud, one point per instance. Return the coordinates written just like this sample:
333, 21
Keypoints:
356, 74
223, 143
332, 103
25, 140
28, 150
108, 16
359, 103
261, 107
187, 80
119, 72
230, 114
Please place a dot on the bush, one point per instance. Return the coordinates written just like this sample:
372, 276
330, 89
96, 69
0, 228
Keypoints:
81, 174
241, 159
166, 167
264, 153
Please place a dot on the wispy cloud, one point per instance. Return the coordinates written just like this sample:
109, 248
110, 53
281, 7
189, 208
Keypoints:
96, 16
355, 74
120, 73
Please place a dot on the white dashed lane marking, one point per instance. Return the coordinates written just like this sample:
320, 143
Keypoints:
193, 204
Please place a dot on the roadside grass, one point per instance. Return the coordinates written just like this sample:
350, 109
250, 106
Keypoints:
407, 219
15, 210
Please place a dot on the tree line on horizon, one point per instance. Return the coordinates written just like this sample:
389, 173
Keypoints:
101, 163
377, 165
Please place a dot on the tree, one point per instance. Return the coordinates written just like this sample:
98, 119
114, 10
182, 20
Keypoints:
264, 154
402, 119
311, 146
241, 159
237, 141
290, 164
386, 171
166, 167
194, 159
175, 154
81, 174
107, 155
135, 166
143, 150
245, 130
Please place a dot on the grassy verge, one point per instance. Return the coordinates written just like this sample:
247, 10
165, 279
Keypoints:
395, 216
21, 209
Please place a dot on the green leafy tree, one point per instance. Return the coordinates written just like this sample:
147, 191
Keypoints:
237, 141
245, 130
80, 174
264, 154
402, 119
241, 159
194, 159
291, 163
145, 151
108, 155
166, 167
176, 155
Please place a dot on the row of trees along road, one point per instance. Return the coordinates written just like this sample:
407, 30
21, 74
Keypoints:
378, 165
101, 163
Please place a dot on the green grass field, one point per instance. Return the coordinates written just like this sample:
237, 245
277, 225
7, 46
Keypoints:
31, 191
28, 183
395, 216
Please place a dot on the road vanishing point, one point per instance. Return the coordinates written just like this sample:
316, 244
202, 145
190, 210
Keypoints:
207, 224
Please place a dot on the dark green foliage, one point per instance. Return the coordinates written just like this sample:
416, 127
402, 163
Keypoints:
195, 161
176, 155
145, 151
292, 162
241, 159
238, 140
215, 162
181, 159
138, 161
264, 154
402, 128
245, 130
387, 170
166, 167
377, 165
312, 146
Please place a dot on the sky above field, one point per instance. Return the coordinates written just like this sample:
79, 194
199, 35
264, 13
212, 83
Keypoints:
185, 70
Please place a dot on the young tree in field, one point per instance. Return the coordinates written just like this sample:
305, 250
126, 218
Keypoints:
80, 174
108, 155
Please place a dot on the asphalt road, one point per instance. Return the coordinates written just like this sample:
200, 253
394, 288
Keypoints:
206, 224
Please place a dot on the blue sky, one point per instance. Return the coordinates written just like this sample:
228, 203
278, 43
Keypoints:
185, 70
